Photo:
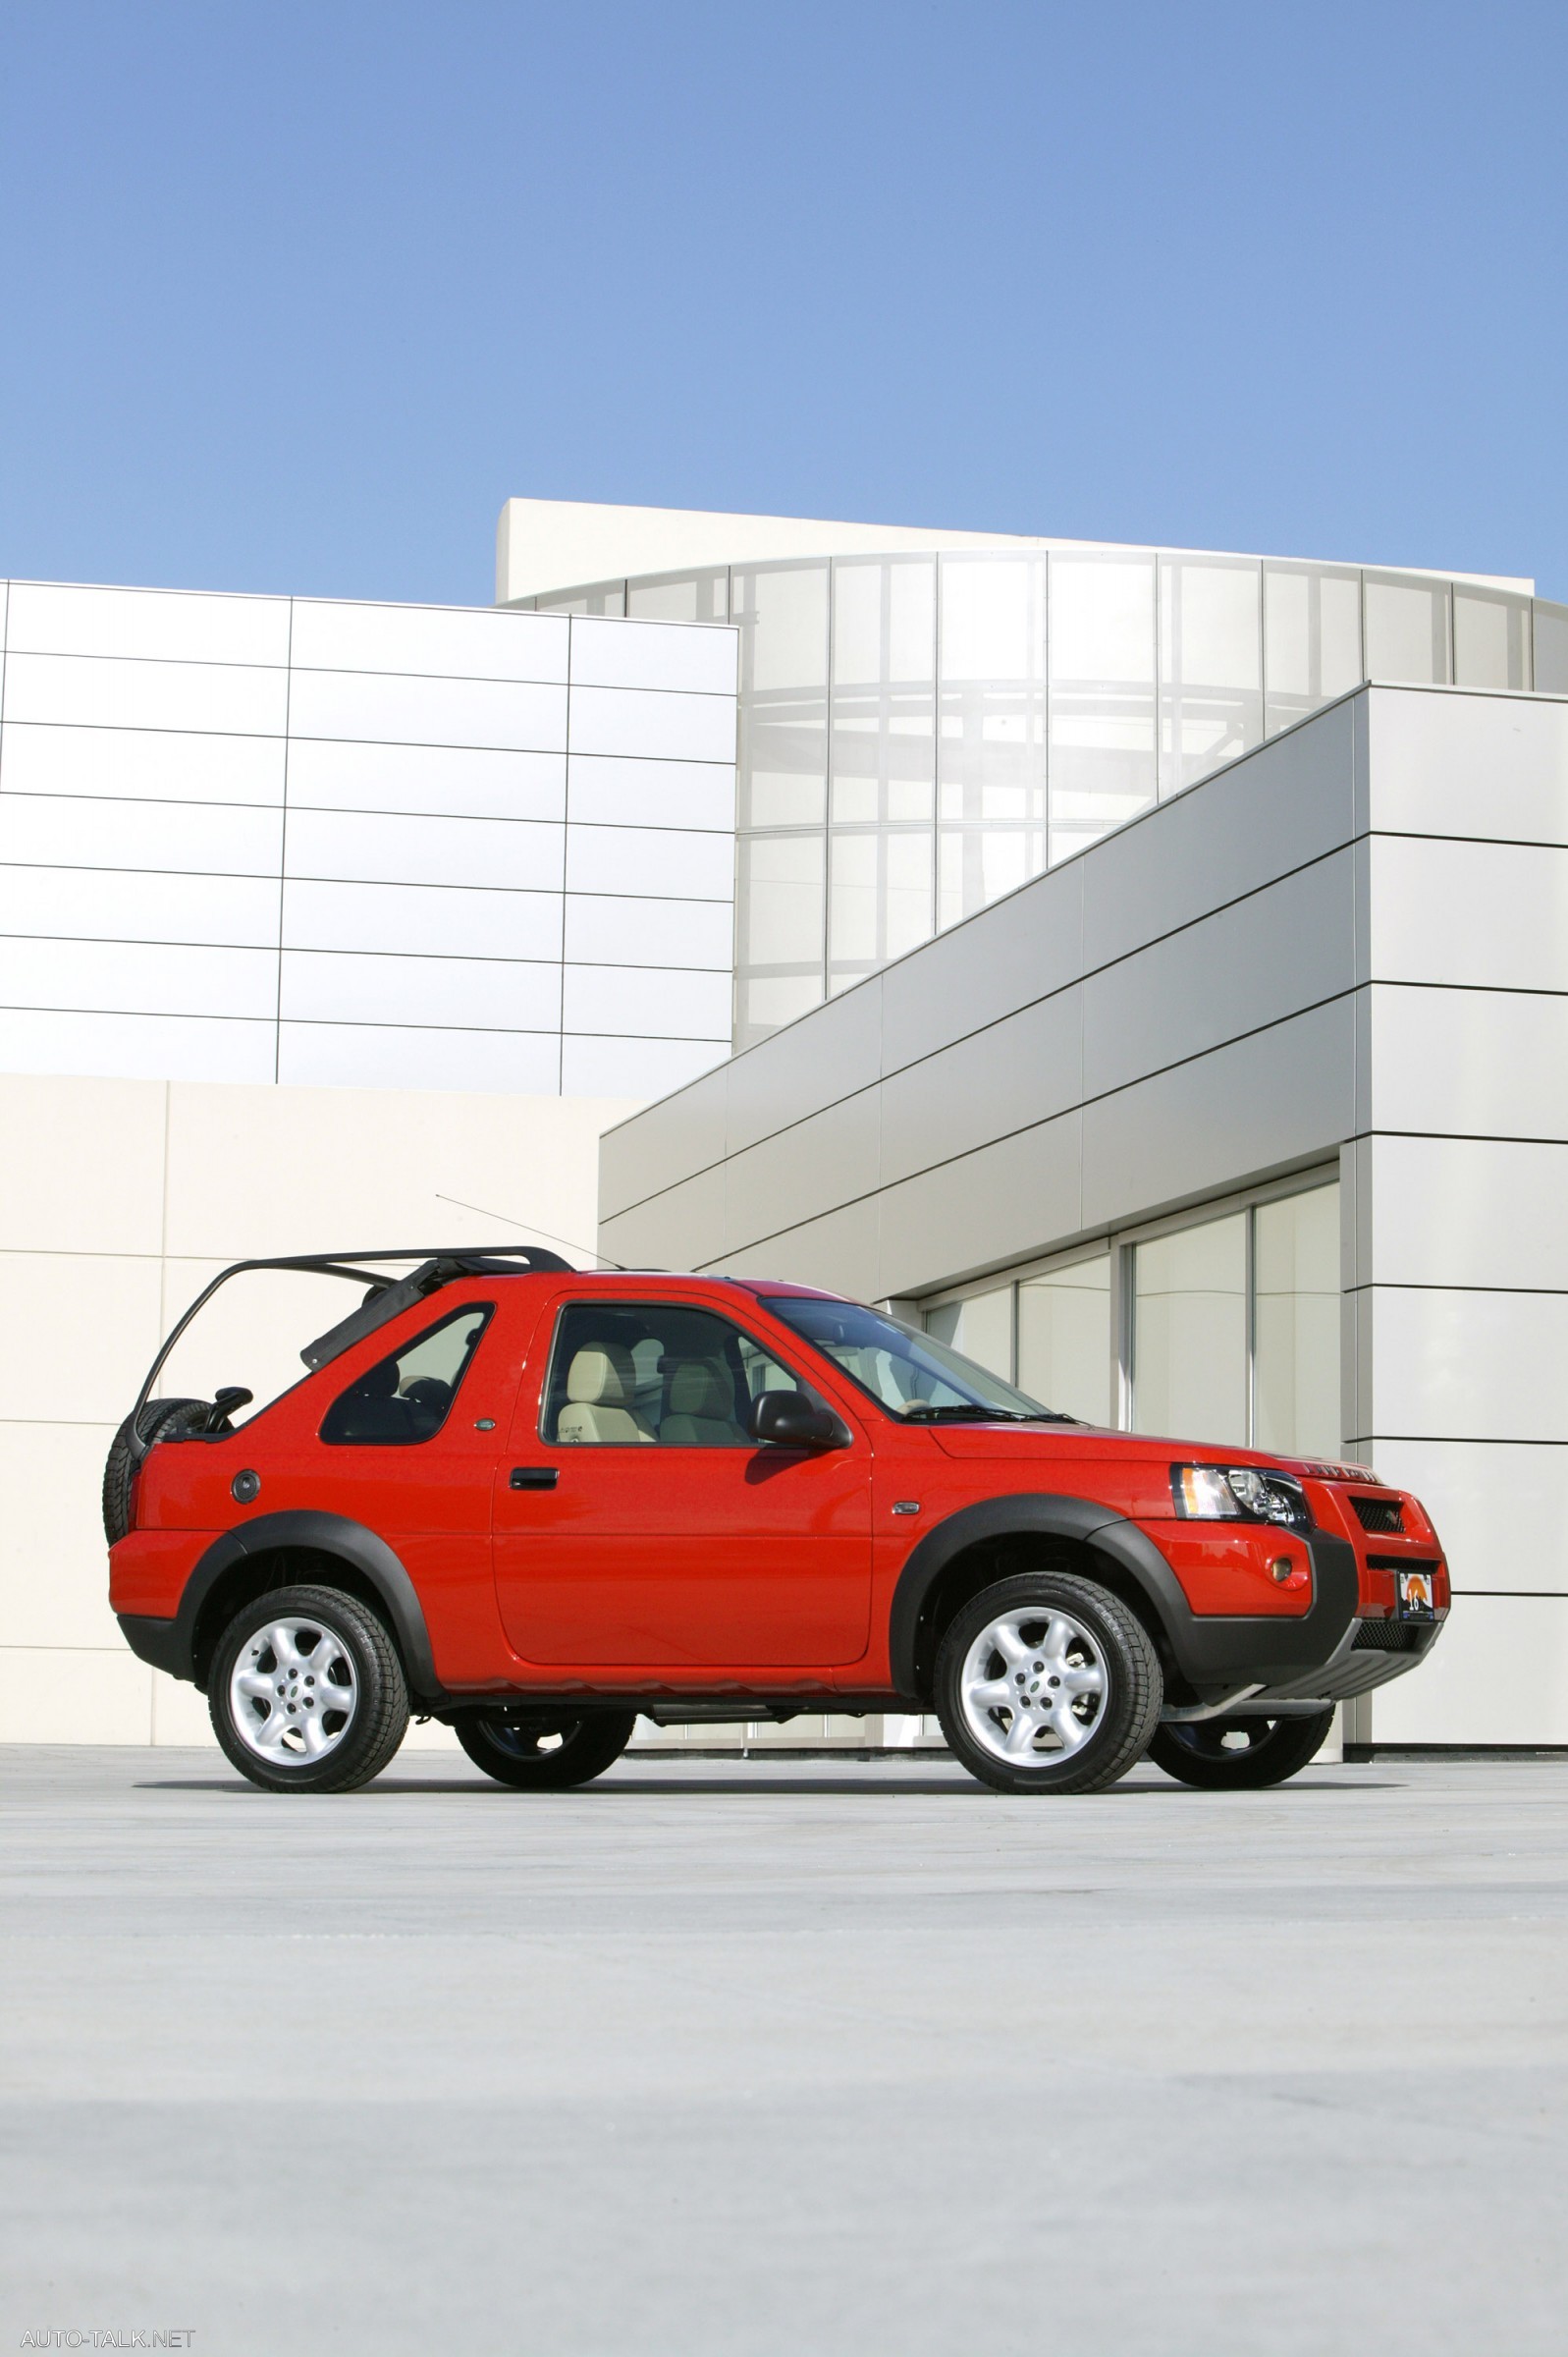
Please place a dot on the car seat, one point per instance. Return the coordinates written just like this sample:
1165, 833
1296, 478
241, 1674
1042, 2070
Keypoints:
700, 1410
601, 1387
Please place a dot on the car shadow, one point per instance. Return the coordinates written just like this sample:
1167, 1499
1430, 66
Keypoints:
638, 1787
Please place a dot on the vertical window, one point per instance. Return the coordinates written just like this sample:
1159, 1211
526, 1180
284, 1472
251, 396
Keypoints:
1491, 639
1296, 1324
1407, 630
1102, 726
1064, 1340
980, 1328
1312, 639
884, 689
880, 899
783, 614
778, 922
990, 754
1552, 648
1210, 666
1189, 1367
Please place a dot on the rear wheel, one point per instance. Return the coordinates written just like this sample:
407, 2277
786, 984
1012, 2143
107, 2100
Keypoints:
543, 1751
1238, 1755
1048, 1683
306, 1692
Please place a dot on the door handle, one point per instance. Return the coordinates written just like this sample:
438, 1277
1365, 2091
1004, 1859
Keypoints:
533, 1477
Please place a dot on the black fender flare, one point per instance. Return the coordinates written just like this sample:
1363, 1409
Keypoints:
321, 1534
1025, 1514
1211, 1651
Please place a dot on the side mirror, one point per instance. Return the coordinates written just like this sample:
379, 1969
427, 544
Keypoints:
787, 1420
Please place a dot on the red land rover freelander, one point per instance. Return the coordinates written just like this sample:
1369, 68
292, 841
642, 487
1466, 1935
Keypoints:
533, 1503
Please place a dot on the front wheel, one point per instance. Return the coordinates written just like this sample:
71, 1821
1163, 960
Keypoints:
1048, 1683
1238, 1755
306, 1692
545, 1751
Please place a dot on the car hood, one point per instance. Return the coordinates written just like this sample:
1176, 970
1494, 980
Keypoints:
1024, 1443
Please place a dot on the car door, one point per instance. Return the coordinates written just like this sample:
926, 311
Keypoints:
401, 1436
637, 1523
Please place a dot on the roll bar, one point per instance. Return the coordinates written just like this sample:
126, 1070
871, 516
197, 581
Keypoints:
386, 1298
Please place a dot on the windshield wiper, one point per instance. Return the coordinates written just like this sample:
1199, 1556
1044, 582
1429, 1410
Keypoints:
925, 1411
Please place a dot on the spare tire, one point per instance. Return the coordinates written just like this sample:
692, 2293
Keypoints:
155, 1422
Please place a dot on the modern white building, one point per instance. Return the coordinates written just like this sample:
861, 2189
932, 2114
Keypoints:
1197, 1013
1149, 967
319, 923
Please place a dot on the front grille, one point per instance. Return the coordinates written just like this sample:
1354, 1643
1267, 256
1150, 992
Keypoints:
1379, 1513
1388, 1636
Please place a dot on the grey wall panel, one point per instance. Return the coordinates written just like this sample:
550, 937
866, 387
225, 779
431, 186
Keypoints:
1254, 963
1469, 765
1012, 952
1491, 1064
808, 1168
1473, 1366
997, 1204
1268, 1102
1501, 1509
830, 1054
678, 1230
1456, 1211
1486, 916
674, 1138
1282, 805
839, 1253
1026, 1069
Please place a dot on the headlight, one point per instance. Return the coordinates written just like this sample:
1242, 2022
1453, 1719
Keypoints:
1239, 1494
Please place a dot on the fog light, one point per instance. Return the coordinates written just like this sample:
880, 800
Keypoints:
1287, 1574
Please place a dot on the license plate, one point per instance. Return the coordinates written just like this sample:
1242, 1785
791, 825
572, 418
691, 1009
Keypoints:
1414, 1589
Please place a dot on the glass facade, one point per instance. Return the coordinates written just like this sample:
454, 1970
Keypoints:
1216, 1331
921, 732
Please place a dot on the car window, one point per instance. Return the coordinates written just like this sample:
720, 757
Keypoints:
407, 1399
655, 1374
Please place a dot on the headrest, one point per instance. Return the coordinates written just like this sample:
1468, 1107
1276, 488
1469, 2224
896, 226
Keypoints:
700, 1387
602, 1376
381, 1383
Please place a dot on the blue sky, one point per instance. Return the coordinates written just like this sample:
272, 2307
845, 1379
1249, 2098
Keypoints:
292, 296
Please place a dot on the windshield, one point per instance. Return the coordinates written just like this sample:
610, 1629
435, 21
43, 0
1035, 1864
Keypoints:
911, 1374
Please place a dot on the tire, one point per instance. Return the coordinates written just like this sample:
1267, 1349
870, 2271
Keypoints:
318, 1640
1082, 1666
545, 1751
158, 1419
1258, 1752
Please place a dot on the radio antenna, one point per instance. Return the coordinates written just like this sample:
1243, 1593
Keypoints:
532, 1228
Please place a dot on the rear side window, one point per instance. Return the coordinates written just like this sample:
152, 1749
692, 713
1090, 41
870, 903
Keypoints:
407, 1399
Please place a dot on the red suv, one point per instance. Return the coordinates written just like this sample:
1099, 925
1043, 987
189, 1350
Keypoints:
534, 1503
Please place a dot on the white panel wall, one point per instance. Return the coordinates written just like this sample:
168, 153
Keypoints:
119, 1199
1460, 1250
250, 838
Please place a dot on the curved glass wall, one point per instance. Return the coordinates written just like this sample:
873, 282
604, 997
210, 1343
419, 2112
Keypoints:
920, 733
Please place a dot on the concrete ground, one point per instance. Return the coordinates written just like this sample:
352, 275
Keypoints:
754, 2057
